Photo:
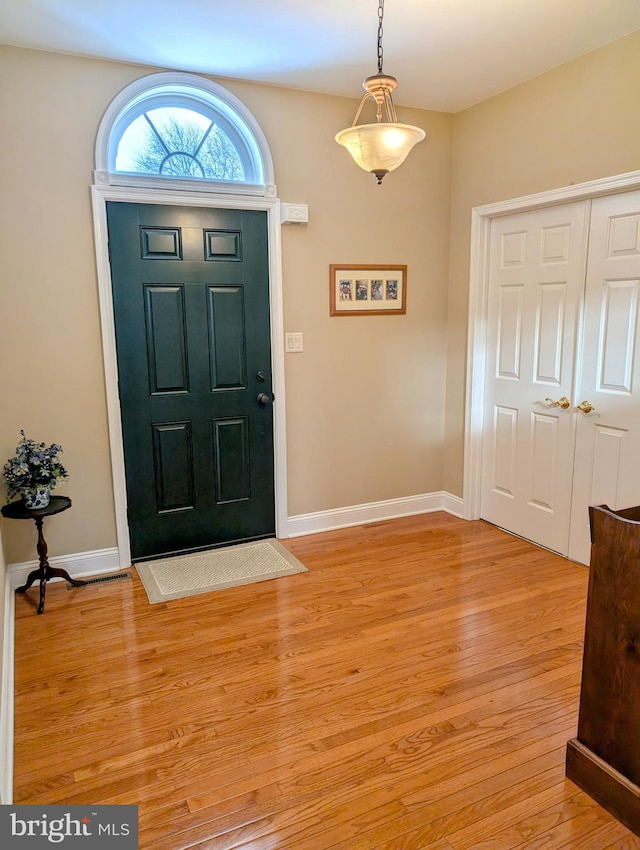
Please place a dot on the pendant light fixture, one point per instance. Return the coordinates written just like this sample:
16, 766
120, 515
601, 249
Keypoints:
381, 147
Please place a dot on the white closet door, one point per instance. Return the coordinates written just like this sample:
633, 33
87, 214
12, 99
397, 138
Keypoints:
536, 283
607, 455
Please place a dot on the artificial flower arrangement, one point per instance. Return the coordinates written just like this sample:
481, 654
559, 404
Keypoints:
33, 469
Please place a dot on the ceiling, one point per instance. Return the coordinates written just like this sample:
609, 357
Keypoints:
446, 54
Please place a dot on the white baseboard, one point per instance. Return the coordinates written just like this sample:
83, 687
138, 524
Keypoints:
78, 566
373, 512
6, 699
453, 505
101, 561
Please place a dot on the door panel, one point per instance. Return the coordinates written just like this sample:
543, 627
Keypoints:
617, 342
173, 466
227, 333
231, 453
504, 476
549, 333
166, 332
536, 278
546, 440
608, 438
509, 340
191, 305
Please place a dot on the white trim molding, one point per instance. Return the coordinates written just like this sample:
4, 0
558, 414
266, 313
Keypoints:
294, 213
165, 88
478, 289
7, 697
111, 186
100, 196
329, 520
78, 565
105, 561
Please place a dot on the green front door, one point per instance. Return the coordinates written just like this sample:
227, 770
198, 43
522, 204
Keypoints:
191, 305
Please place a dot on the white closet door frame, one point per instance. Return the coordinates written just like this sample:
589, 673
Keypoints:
478, 291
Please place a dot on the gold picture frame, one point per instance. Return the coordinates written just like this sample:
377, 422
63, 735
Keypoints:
367, 290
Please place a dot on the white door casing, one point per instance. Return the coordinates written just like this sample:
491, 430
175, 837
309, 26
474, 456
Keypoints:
113, 185
102, 194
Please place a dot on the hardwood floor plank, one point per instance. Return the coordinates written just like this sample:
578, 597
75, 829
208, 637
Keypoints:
567, 820
462, 825
406, 842
414, 689
512, 812
624, 840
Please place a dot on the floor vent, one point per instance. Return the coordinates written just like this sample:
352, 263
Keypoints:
103, 579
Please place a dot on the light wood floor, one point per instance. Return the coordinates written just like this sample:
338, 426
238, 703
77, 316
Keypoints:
415, 689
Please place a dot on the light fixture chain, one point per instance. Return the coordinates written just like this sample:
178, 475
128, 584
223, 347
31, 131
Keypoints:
381, 147
380, 16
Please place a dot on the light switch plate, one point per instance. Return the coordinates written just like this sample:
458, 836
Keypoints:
293, 343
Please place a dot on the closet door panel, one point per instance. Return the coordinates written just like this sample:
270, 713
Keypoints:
536, 282
607, 455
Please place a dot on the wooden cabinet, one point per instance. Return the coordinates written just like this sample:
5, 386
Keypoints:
604, 758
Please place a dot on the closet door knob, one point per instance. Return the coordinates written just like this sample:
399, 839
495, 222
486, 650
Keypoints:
563, 402
585, 407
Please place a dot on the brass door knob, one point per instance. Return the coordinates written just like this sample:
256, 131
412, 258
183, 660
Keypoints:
585, 407
563, 402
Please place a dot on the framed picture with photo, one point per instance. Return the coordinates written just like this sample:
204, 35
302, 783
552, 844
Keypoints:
367, 290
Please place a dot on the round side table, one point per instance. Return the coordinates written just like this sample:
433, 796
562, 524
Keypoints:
18, 510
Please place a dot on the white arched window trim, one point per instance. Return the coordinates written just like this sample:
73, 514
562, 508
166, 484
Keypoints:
148, 91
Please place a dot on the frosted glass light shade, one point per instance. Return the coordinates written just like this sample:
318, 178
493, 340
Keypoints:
381, 147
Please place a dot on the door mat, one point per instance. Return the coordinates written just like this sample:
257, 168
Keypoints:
215, 569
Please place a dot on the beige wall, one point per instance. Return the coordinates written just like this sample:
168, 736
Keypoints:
365, 401
576, 123
361, 418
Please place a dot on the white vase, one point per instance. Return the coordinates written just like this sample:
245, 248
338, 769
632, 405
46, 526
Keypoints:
35, 498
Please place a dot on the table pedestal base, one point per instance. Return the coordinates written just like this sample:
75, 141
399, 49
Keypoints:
45, 571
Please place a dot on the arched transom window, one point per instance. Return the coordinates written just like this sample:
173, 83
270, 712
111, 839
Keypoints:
184, 129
